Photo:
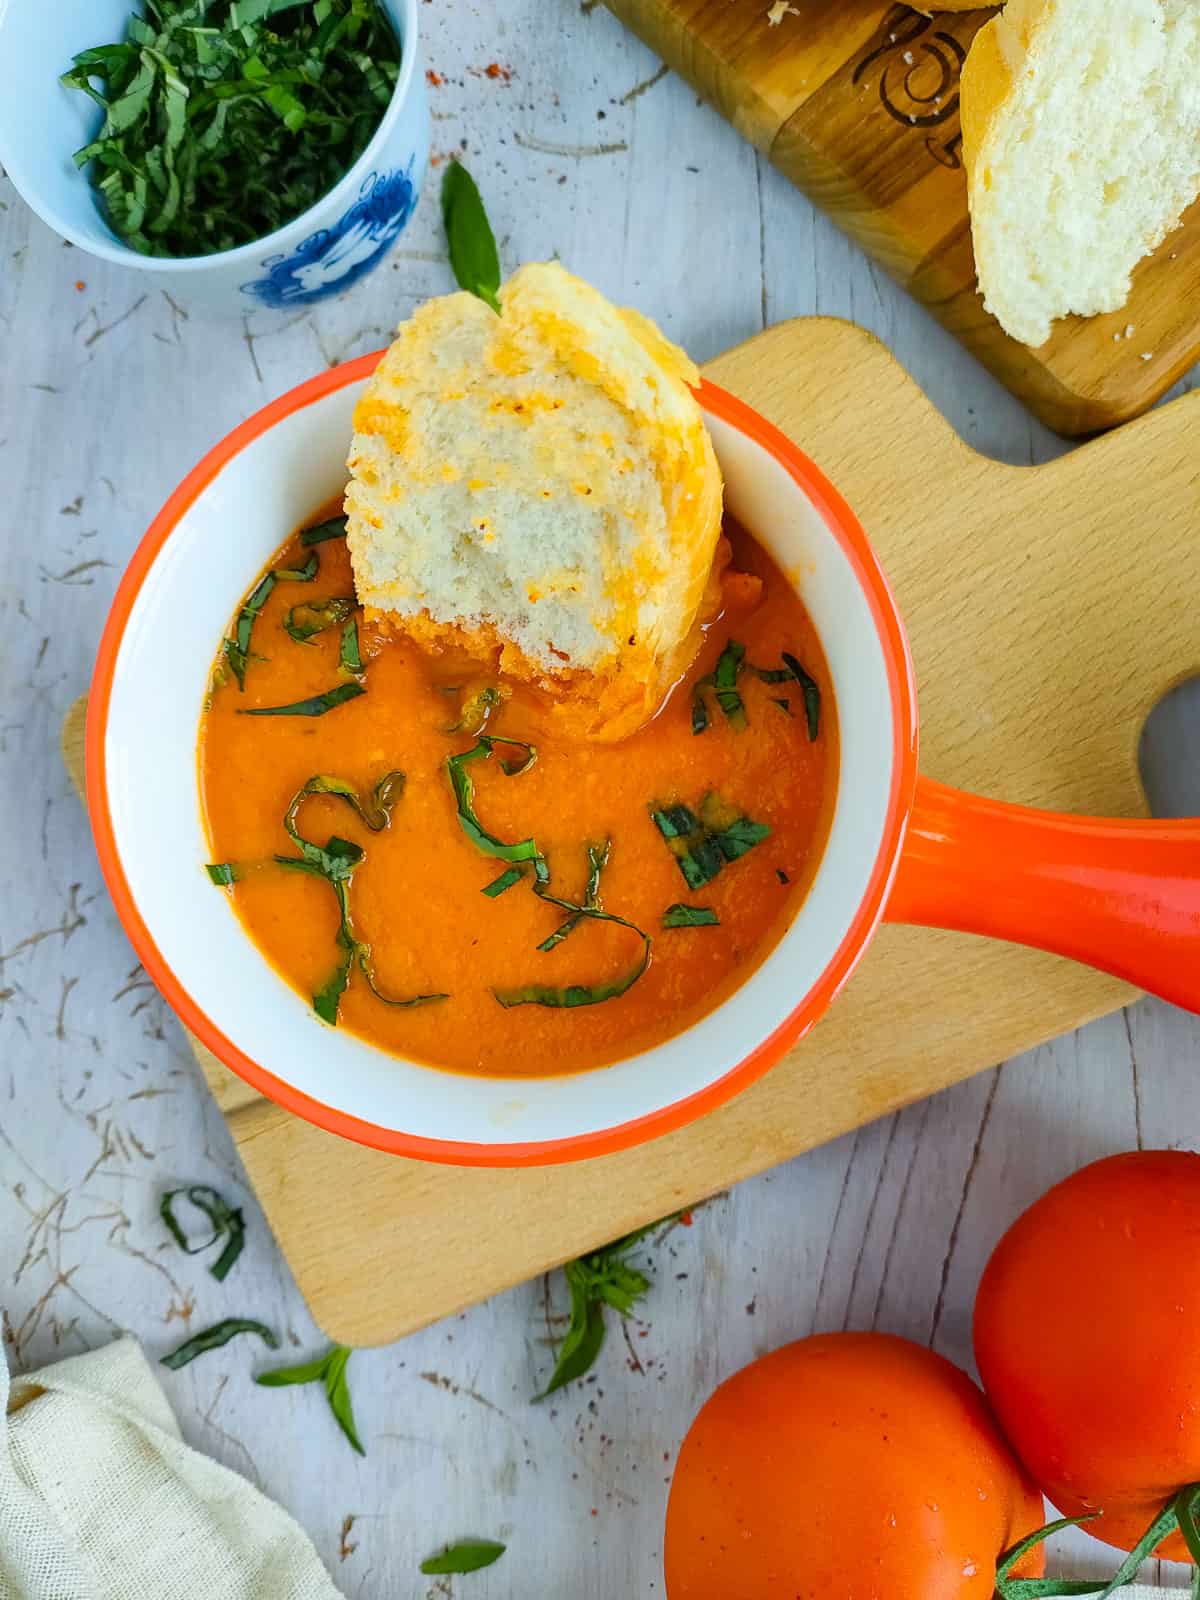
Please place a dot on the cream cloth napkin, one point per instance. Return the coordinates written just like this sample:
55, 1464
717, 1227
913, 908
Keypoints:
100, 1498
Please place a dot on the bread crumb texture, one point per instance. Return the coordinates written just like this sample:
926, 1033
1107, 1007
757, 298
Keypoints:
1081, 130
538, 489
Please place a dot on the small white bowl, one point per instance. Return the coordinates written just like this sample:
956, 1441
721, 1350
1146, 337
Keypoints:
326, 249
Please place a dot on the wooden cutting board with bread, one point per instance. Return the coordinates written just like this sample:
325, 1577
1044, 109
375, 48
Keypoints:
1044, 626
1075, 125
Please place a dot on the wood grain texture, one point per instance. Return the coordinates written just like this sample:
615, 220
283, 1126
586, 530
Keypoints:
1044, 629
856, 102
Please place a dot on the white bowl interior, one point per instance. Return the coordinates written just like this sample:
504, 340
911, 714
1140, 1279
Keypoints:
43, 123
214, 553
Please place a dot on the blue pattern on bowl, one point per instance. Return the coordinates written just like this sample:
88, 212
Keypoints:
331, 259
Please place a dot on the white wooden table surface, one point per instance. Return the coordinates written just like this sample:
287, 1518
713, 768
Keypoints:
108, 393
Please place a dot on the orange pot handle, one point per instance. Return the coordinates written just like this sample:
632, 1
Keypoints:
1123, 896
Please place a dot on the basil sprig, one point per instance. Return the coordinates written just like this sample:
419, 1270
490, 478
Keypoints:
329, 1371
704, 844
468, 1555
227, 1222
226, 119
601, 1278
473, 254
215, 1337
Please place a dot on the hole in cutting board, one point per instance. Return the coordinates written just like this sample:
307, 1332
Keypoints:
1169, 753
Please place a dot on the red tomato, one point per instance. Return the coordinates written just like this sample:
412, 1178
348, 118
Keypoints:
1086, 1338
849, 1466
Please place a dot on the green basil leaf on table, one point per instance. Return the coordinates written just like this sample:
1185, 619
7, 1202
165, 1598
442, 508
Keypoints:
215, 1337
328, 1370
468, 1555
227, 1222
473, 254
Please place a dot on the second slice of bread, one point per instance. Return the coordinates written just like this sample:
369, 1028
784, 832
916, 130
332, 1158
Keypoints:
1081, 133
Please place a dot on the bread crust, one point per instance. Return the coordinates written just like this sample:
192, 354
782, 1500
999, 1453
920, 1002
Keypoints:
538, 491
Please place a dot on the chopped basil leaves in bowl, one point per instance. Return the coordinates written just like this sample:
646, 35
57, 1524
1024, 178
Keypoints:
248, 153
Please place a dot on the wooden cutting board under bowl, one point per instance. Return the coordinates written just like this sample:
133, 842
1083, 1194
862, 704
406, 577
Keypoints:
1049, 609
856, 102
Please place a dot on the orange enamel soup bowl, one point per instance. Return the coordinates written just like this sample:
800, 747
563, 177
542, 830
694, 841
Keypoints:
1121, 895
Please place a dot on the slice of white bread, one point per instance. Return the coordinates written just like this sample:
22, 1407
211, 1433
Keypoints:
1081, 136
539, 490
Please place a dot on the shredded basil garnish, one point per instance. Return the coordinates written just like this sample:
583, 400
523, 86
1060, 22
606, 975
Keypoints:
311, 617
473, 254
334, 528
316, 706
506, 880
304, 574
723, 682
580, 994
335, 861
792, 671
464, 797
227, 1223
703, 844
237, 649
213, 1338
328, 1370
226, 119
349, 655
597, 855
681, 916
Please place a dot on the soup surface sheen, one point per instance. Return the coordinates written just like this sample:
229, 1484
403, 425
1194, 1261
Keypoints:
416, 899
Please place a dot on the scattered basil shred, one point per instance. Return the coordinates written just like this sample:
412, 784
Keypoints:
328, 1370
227, 1223
215, 1337
473, 254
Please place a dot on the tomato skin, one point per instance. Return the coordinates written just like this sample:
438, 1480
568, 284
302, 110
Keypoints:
1086, 1339
848, 1466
